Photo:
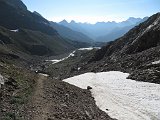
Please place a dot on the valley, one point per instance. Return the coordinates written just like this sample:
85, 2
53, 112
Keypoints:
77, 71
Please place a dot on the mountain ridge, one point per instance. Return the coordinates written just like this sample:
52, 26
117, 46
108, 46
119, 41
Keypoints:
71, 34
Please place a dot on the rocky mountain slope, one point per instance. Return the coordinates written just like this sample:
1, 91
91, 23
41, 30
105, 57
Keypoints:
14, 15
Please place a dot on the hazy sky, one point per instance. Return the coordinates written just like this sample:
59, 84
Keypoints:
93, 10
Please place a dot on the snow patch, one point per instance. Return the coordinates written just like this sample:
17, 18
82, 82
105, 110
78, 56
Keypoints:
2, 79
17, 30
45, 75
156, 62
86, 48
153, 24
121, 98
90, 48
57, 61
79, 68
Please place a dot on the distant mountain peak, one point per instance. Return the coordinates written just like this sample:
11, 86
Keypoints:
72, 22
63, 22
133, 19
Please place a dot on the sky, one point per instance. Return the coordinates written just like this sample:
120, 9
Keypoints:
92, 11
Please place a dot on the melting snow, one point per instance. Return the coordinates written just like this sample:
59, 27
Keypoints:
57, 61
17, 30
121, 98
45, 75
156, 62
72, 54
91, 48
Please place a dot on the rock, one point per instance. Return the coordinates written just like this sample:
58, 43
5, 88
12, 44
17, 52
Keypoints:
89, 87
4, 110
11, 82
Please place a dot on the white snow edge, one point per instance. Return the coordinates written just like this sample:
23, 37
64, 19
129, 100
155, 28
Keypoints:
156, 62
17, 30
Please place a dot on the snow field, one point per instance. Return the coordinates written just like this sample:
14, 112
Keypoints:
121, 98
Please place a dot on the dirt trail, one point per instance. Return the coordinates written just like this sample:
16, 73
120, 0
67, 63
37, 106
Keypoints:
41, 109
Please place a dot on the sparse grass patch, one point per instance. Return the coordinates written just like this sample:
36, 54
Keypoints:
18, 88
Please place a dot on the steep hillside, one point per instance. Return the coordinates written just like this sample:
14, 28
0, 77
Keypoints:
14, 15
29, 32
33, 42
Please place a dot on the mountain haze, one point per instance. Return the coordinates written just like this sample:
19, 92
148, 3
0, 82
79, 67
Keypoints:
71, 34
120, 30
103, 31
